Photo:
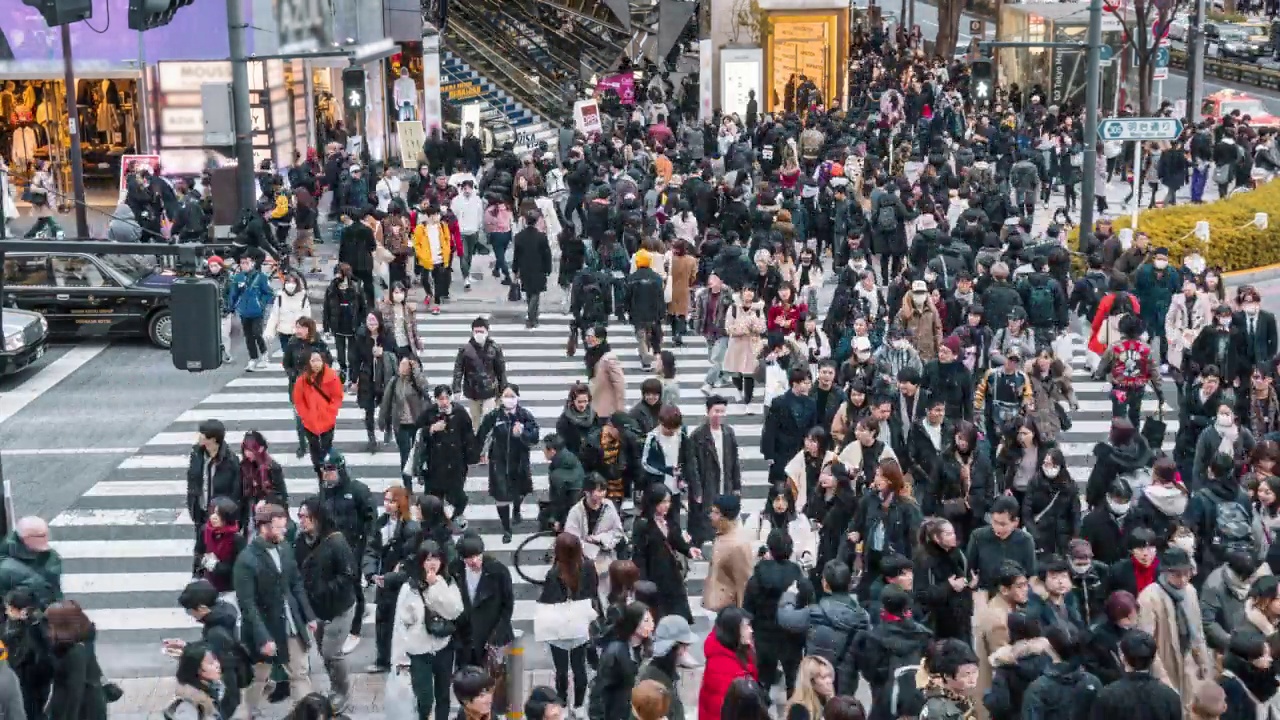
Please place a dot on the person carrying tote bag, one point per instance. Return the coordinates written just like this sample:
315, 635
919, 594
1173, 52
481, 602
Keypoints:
569, 602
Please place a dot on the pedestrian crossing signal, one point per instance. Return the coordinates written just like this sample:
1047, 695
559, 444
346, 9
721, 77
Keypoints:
196, 306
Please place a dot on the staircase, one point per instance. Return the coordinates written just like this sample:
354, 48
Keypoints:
509, 119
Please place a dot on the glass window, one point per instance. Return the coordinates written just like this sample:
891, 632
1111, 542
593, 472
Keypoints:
77, 272
30, 271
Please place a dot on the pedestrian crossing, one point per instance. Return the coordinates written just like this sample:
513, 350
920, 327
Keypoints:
127, 541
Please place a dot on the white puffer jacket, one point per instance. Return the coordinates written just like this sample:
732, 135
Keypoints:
286, 310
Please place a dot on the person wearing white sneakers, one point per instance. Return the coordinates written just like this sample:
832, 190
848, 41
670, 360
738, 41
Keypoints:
292, 303
251, 297
469, 210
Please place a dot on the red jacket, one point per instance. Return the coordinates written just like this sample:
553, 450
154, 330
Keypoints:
1104, 309
318, 406
794, 313
723, 667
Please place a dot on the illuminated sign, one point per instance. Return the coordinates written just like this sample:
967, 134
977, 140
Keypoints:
462, 90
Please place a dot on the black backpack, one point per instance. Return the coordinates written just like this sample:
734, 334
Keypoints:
1040, 302
1232, 526
1093, 288
593, 299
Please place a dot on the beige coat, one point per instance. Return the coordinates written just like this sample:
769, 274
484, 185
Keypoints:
733, 559
1180, 336
926, 328
684, 273
608, 386
990, 633
745, 329
1182, 667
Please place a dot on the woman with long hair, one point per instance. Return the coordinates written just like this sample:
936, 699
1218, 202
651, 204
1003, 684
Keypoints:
743, 700
373, 354
681, 280
77, 679
401, 320
730, 653
1266, 515
200, 690
807, 465
1051, 506
831, 509
780, 513
261, 477
671, 641
961, 487
888, 519
404, 399
514, 430
384, 559
815, 685
1051, 389
297, 355
429, 603
1019, 457
569, 579
661, 552
943, 585
428, 512
317, 398
218, 544
619, 663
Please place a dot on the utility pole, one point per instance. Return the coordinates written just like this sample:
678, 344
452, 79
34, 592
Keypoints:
243, 120
73, 127
145, 145
1092, 90
1195, 64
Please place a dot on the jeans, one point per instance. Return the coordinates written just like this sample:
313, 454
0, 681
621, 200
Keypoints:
341, 344
1199, 174
253, 341
296, 669
469, 243
404, 443
430, 676
1127, 403
284, 341
500, 241
227, 321
533, 306
563, 659
330, 634
715, 375
318, 446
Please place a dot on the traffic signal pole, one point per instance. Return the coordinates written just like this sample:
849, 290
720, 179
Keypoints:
242, 119
1091, 93
73, 128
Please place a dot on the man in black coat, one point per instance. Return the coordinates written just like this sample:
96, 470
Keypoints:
447, 447
531, 264
277, 622
647, 307
212, 472
218, 619
789, 419
356, 248
1261, 339
332, 581
1138, 695
487, 599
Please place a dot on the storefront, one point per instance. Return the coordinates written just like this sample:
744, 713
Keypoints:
805, 50
111, 110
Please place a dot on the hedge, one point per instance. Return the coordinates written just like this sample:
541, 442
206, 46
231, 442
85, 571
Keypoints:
1234, 242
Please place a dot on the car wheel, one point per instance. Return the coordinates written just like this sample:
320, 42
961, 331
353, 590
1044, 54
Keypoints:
160, 329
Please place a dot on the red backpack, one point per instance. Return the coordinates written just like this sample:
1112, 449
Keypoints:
1132, 366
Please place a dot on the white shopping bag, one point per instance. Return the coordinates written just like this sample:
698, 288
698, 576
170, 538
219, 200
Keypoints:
399, 702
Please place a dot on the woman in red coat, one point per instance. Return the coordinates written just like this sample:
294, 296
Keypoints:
317, 397
730, 653
785, 316
1096, 345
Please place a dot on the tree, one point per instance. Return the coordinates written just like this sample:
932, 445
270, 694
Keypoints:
949, 12
750, 19
1143, 22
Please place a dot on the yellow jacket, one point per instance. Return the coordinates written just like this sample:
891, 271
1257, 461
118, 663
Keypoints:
422, 246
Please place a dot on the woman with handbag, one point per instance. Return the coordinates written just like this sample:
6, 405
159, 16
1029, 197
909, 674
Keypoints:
962, 483
661, 552
619, 664
421, 641
79, 692
570, 599
1051, 389
373, 365
404, 399
942, 589
383, 565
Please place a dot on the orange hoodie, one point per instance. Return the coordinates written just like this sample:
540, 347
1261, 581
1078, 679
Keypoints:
318, 406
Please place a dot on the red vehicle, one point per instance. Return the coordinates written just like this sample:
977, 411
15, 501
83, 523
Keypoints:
1225, 102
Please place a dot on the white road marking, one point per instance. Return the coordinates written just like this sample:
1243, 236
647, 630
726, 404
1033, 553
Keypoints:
13, 401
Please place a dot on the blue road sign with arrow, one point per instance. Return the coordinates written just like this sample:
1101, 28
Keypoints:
1140, 129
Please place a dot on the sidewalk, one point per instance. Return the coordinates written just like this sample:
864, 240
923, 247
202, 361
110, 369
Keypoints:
146, 698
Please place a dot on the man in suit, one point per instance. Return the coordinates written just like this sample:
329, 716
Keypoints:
487, 599
1259, 328
276, 620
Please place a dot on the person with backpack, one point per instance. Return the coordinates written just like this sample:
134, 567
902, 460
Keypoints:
217, 620
1001, 297
1088, 291
1064, 690
1220, 515
831, 625
897, 642
1003, 394
888, 238
1127, 363
1045, 302
591, 303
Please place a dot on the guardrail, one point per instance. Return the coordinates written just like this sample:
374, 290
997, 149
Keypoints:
1232, 71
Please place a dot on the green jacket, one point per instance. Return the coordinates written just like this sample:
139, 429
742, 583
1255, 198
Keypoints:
39, 572
565, 473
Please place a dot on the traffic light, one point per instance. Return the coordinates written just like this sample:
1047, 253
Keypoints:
149, 14
196, 305
62, 12
982, 80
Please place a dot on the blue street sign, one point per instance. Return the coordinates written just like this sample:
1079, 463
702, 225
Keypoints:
1162, 57
1140, 129
1106, 52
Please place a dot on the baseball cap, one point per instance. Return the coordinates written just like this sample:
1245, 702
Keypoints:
672, 630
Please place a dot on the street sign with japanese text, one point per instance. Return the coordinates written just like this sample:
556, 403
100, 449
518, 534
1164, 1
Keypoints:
1140, 129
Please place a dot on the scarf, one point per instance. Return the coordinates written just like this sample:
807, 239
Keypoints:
1228, 444
1143, 576
1179, 598
581, 420
593, 356
871, 298
1234, 584
886, 616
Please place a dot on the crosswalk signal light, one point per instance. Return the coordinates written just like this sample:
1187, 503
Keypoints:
196, 307
982, 74
62, 12
150, 14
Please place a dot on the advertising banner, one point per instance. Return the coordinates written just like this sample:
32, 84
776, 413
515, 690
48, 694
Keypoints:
128, 163
624, 84
586, 117
411, 138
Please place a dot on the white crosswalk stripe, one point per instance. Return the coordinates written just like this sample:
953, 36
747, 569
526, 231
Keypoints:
127, 541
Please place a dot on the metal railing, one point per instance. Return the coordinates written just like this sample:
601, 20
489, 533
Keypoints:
538, 92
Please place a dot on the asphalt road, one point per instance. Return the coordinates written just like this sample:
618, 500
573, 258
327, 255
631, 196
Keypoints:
1175, 87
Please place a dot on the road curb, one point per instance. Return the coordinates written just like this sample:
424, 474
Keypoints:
1265, 273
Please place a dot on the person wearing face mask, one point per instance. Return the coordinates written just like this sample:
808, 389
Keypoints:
1169, 609
1189, 312
444, 448
514, 431
1225, 436
290, 305
1259, 328
1107, 525
1088, 582
1155, 284
479, 371
1051, 506
401, 320
1224, 345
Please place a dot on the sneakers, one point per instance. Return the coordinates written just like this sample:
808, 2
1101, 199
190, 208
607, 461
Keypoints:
339, 702
467, 284
376, 669
350, 644
460, 523
251, 366
262, 362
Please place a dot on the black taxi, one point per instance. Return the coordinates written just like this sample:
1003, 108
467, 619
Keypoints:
26, 335
92, 295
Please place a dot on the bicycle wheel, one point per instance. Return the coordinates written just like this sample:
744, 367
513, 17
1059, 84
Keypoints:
547, 556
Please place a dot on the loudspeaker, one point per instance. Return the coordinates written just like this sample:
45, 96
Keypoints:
196, 305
